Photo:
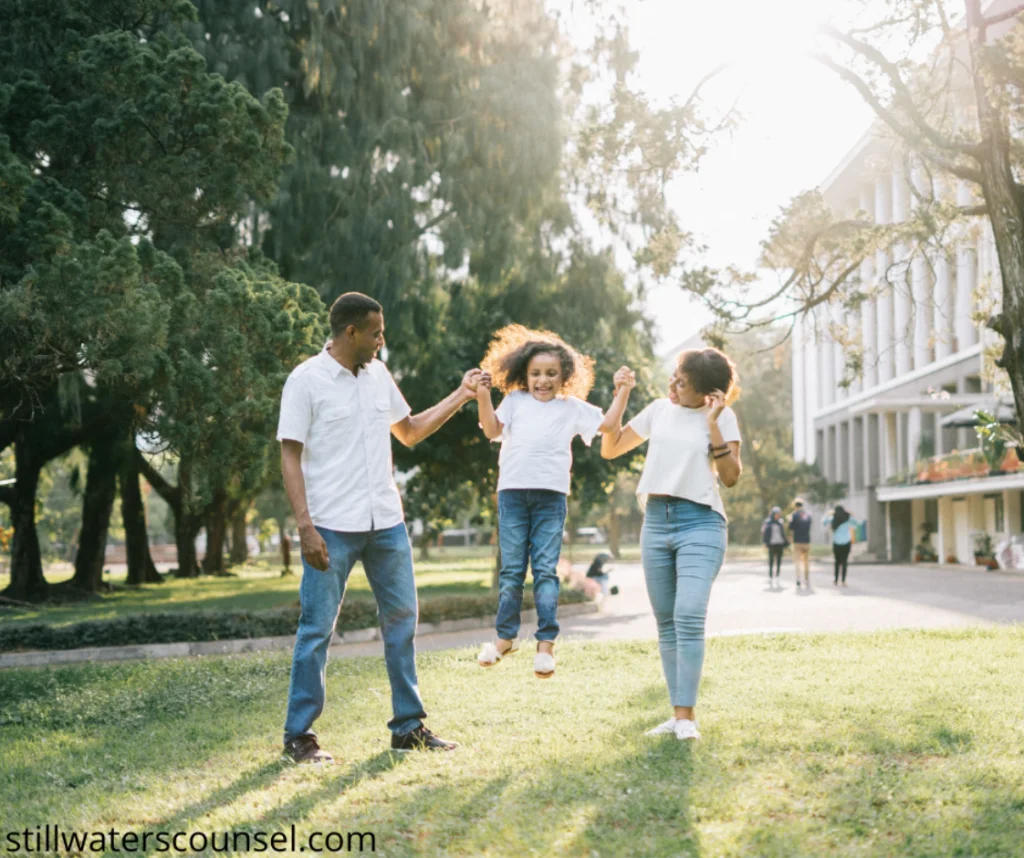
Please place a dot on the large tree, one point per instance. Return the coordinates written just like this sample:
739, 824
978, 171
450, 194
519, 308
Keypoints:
126, 165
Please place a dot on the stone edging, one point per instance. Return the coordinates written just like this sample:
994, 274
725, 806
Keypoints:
40, 658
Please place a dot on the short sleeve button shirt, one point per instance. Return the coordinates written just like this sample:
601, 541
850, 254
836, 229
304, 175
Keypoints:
344, 423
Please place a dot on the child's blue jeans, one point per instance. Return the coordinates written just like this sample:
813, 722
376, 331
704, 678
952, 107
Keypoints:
530, 523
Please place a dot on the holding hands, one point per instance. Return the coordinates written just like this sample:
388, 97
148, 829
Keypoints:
624, 378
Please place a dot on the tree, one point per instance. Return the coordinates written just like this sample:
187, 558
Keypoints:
952, 103
126, 165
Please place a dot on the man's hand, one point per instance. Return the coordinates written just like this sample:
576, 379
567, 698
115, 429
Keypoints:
470, 382
314, 549
624, 377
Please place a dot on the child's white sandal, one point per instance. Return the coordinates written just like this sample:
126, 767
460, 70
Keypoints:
544, 665
490, 655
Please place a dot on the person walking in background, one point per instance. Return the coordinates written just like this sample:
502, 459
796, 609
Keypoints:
773, 535
843, 529
800, 530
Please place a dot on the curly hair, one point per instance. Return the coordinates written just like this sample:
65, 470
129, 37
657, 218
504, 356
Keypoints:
514, 346
710, 369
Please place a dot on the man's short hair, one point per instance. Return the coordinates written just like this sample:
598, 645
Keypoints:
352, 308
798, 502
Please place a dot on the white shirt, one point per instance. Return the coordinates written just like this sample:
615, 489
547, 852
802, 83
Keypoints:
344, 424
536, 439
678, 462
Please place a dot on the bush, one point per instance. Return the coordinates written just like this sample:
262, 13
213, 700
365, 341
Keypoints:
227, 625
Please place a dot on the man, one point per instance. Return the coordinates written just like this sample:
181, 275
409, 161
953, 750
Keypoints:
338, 411
800, 529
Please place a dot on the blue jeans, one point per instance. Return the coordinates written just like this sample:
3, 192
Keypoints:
530, 523
387, 559
682, 546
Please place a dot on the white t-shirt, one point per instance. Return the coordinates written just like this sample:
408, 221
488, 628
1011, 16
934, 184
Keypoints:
677, 461
536, 439
344, 424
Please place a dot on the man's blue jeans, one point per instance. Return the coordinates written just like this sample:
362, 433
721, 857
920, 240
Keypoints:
530, 523
387, 559
682, 546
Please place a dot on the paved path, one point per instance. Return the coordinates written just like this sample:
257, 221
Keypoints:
878, 597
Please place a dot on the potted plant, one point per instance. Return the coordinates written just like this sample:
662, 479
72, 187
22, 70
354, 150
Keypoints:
1010, 463
983, 555
993, 442
924, 551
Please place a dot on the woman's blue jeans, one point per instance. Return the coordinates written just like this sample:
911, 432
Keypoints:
387, 560
682, 547
530, 523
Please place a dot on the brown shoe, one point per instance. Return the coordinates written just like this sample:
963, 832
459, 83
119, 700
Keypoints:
306, 749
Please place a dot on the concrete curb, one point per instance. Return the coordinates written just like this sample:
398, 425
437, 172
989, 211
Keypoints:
42, 658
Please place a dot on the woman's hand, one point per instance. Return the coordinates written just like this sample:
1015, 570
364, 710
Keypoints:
624, 377
716, 402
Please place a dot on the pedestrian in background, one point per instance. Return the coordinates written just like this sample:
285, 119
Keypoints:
843, 527
773, 535
800, 530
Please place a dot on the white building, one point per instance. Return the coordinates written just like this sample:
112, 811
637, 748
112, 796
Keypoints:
922, 361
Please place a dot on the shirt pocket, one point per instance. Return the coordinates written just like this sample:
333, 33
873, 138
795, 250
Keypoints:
382, 411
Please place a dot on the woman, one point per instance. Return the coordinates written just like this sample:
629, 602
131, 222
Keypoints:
843, 528
773, 535
694, 443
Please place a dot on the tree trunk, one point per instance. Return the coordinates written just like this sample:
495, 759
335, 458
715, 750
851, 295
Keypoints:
286, 549
1003, 201
425, 545
216, 529
239, 545
27, 581
185, 540
614, 533
97, 503
141, 569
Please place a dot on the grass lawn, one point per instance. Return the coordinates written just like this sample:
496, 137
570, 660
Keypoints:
897, 743
253, 587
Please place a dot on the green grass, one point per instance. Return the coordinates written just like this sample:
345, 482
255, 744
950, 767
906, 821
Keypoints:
896, 743
251, 588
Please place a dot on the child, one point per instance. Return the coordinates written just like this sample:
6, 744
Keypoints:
545, 382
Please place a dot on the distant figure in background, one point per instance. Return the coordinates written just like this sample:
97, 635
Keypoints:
843, 534
800, 530
773, 534
598, 571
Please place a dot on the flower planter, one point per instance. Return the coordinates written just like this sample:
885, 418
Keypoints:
987, 562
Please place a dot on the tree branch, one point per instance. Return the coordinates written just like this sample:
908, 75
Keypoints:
902, 94
992, 20
892, 120
171, 494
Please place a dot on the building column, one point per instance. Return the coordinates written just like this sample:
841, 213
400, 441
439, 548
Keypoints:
903, 357
890, 441
799, 386
825, 454
884, 308
966, 280
868, 333
942, 307
838, 352
914, 430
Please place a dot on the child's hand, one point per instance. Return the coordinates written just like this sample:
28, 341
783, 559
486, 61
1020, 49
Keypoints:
624, 377
483, 386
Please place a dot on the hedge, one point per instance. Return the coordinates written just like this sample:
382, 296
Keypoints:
187, 627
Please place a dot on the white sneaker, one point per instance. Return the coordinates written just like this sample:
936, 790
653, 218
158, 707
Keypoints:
663, 729
685, 729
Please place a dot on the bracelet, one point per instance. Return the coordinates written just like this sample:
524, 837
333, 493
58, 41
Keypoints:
722, 455
712, 449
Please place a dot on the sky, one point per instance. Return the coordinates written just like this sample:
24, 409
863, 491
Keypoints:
798, 122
